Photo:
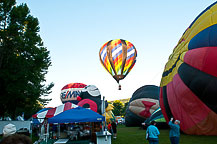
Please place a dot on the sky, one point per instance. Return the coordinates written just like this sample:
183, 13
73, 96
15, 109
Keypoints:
74, 31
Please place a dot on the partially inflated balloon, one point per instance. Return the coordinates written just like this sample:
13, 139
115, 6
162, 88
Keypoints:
189, 82
90, 97
143, 103
70, 92
155, 116
118, 57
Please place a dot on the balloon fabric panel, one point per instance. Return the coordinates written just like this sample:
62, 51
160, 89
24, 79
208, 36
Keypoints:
117, 55
143, 107
206, 38
190, 110
155, 116
130, 61
201, 84
104, 59
70, 92
87, 103
74, 85
164, 104
90, 97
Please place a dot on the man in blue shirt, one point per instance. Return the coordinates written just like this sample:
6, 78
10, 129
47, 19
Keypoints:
174, 131
153, 133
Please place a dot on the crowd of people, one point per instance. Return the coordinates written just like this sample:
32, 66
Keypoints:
152, 132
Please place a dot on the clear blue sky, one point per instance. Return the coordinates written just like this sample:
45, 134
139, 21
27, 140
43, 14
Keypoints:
74, 30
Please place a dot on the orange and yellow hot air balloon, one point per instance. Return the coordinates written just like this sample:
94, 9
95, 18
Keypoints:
118, 57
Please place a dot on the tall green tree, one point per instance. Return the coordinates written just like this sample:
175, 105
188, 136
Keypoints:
24, 61
118, 108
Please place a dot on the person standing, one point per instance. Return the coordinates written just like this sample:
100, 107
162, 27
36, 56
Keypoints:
110, 127
114, 129
174, 131
152, 133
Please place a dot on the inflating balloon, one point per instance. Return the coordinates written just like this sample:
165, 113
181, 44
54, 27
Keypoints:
143, 103
109, 114
189, 81
90, 97
118, 58
70, 92
155, 116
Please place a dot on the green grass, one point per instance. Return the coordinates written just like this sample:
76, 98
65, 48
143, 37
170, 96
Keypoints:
135, 135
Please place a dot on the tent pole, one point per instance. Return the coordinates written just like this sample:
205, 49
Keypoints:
47, 134
58, 130
104, 111
31, 128
42, 131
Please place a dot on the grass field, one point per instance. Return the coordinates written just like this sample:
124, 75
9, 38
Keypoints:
136, 135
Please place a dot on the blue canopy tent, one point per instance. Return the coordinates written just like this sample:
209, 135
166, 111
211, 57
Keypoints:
61, 115
78, 114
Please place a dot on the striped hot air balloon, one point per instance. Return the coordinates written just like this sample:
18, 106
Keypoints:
189, 81
118, 57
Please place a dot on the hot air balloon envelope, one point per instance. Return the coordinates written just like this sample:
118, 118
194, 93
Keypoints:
118, 58
70, 92
189, 81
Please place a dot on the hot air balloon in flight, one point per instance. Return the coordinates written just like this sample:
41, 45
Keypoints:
70, 92
118, 57
189, 82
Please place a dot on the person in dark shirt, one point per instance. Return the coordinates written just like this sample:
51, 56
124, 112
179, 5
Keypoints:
114, 129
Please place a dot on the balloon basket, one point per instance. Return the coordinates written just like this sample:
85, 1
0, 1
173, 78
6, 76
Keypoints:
119, 87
